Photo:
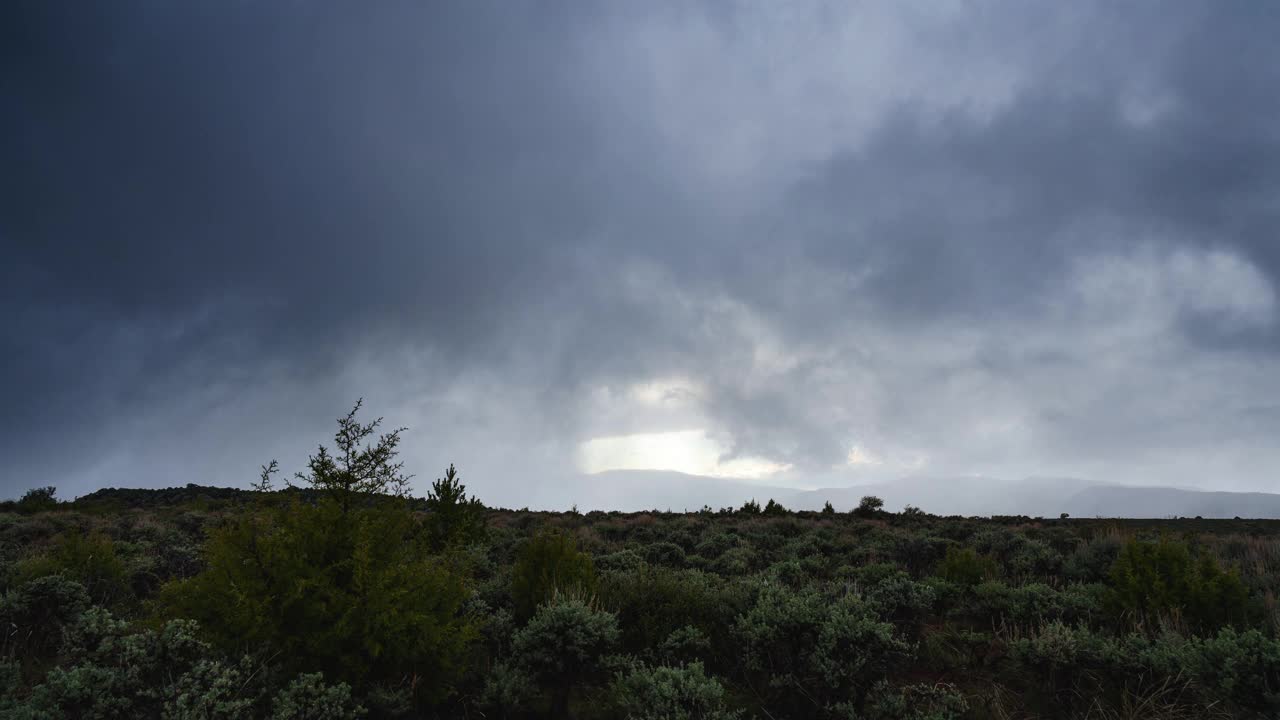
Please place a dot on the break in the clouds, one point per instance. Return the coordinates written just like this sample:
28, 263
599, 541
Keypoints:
799, 243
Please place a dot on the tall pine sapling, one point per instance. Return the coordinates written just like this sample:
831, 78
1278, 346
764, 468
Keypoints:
453, 519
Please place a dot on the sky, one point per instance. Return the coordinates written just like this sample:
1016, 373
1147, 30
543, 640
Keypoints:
803, 244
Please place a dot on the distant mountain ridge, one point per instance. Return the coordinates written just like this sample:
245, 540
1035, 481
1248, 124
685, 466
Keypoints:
638, 490
632, 490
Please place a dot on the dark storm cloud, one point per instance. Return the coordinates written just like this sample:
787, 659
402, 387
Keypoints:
980, 238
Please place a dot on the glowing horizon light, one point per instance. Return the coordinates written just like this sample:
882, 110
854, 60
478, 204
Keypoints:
687, 451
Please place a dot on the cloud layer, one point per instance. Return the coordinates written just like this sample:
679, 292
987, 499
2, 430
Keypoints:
842, 243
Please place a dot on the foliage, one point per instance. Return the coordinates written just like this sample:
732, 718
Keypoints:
964, 566
564, 645
1158, 581
230, 603
773, 509
548, 563
41, 499
453, 519
89, 559
309, 698
354, 594
683, 692
34, 614
922, 701
358, 468
869, 506
804, 651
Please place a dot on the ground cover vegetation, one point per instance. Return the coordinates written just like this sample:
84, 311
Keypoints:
340, 596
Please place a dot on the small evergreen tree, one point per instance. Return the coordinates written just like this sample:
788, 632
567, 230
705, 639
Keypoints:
827, 508
454, 519
869, 506
358, 468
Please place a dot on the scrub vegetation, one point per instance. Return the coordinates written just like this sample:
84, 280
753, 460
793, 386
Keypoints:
340, 596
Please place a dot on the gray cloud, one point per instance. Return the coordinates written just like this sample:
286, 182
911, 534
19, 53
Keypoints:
992, 238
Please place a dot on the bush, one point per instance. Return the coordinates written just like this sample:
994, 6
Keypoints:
941, 701
1158, 581
308, 697
354, 594
682, 692
653, 602
563, 646
869, 506
41, 499
801, 649
964, 566
89, 559
117, 674
34, 614
548, 563
773, 509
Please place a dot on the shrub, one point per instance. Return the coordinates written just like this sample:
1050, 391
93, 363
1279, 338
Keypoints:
941, 701
802, 650
209, 691
354, 594
773, 509
563, 646
41, 499
1091, 562
89, 559
902, 601
34, 614
869, 506
665, 553
964, 566
508, 691
654, 602
548, 563
1151, 581
117, 674
682, 692
308, 697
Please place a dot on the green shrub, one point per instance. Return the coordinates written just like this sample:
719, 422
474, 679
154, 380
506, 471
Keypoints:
563, 646
354, 594
801, 649
548, 563
902, 601
869, 506
508, 691
89, 559
41, 499
683, 692
653, 602
941, 701
34, 614
1152, 581
964, 566
113, 673
773, 509
308, 697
